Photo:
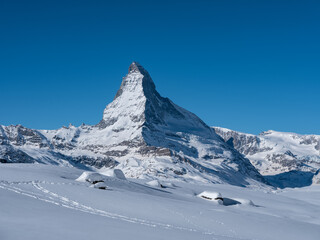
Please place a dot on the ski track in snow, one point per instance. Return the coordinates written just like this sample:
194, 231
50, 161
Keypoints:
56, 199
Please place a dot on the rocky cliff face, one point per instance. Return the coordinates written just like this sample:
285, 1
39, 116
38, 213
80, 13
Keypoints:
142, 133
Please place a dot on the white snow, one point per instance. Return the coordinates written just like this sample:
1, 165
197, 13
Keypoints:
154, 183
90, 177
211, 196
117, 173
45, 202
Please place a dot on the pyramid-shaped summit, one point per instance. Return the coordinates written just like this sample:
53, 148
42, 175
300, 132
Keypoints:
156, 130
138, 104
137, 77
148, 136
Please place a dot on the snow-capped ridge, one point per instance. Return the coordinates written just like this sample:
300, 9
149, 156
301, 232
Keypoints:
137, 79
136, 67
289, 159
146, 136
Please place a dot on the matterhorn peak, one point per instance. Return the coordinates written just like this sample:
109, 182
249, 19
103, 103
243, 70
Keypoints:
137, 102
143, 134
136, 67
136, 81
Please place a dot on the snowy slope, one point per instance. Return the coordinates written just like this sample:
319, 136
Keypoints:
142, 133
45, 202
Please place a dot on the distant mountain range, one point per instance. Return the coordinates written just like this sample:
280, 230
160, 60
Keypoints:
290, 159
148, 136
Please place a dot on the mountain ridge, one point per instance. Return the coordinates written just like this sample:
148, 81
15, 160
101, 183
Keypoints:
284, 158
142, 133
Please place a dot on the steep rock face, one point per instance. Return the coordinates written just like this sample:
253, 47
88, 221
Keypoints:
274, 152
142, 133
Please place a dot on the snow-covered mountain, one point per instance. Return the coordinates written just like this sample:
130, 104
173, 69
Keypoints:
286, 154
142, 133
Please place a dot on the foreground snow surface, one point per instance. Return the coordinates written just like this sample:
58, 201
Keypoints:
45, 202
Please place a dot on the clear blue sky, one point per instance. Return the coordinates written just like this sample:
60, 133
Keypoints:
245, 65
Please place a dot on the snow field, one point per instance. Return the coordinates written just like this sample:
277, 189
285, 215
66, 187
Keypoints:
39, 201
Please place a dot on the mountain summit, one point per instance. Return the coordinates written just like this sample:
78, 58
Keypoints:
137, 79
142, 133
138, 104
